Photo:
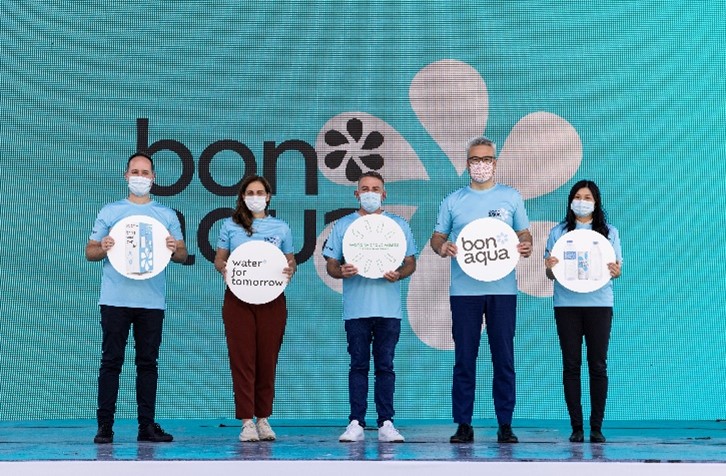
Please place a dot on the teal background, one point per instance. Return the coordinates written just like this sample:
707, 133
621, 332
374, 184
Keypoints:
641, 82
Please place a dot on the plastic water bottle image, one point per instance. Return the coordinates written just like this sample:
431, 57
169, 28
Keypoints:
583, 265
570, 261
595, 262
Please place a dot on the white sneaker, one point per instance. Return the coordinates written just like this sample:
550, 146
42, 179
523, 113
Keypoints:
388, 433
249, 431
264, 430
354, 432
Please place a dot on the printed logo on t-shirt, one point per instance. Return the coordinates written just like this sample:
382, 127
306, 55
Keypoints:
275, 240
500, 213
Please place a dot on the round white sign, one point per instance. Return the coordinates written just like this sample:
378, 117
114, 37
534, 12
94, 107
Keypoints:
375, 244
583, 260
254, 272
487, 249
139, 251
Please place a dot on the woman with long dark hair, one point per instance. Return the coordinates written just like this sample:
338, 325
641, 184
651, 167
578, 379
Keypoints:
254, 331
587, 315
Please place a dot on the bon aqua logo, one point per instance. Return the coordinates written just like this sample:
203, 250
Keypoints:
450, 100
478, 250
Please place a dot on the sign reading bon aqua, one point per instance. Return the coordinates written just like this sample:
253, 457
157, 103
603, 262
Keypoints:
487, 249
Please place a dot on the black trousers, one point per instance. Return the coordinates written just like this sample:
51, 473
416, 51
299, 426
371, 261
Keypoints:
594, 324
116, 323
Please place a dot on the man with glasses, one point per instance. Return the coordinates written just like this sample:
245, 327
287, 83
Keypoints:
472, 300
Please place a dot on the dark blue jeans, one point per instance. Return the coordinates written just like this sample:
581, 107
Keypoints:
383, 333
467, 313
116, 323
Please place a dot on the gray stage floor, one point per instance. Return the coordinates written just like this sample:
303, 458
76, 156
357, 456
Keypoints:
641, 441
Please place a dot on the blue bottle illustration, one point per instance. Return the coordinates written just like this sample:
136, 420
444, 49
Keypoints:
570, 259
583, 265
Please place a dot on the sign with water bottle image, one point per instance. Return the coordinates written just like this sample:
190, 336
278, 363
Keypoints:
583, 260
140, 250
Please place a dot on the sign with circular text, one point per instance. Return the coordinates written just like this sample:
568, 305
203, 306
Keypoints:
254, 272
139, 251
583, 257
375, 244
487, 249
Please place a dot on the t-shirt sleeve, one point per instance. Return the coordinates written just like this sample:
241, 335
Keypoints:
174, 226
443, 220
520, 221
551, 240
411, 248
615, 241
101, 226
333, 247
286, 246
223, 241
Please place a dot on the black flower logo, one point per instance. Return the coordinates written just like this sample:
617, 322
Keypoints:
348, 145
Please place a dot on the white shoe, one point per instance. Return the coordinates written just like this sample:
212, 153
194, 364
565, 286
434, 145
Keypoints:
264, 430
249, 431
388, 433
354, 432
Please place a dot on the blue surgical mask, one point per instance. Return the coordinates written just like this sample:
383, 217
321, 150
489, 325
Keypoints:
370, 201
582, 208
139, 186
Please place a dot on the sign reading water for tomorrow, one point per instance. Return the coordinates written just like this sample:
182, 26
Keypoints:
375, 244
254, 272
487, 249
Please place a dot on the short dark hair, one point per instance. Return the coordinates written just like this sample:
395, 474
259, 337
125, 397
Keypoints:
374, 174
140, 154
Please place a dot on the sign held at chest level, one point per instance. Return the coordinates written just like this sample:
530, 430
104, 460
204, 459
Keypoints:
487, 249
140, 250
254, 272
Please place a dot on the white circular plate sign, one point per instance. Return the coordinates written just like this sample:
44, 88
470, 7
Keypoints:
375, 244
583, 260
487, 249
139, 251
254, 272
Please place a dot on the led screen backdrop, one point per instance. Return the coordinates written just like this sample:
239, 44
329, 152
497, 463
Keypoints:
310, 94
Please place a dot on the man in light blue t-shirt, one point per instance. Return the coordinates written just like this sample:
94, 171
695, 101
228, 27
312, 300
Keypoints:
471, 299
125, 302
372, 314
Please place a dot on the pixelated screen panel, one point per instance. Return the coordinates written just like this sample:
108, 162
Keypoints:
629, 95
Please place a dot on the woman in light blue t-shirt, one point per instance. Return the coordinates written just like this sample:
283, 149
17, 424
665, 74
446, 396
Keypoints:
254, 331
587, 315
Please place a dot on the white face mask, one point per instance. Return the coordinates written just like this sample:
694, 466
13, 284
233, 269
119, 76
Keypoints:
370, 201
582, 208
256, 203
139, 186
481, 172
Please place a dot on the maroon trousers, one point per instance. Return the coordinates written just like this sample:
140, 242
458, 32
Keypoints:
254, 337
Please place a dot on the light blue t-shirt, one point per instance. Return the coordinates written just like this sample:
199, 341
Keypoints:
602, 297
117, 289
466, 205
269, 229
365, 297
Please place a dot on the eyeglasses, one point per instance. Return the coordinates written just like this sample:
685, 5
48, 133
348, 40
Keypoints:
478, 160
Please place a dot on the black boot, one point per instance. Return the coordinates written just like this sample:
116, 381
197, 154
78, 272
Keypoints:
104, 434
464, 434
154, 433
505, 435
